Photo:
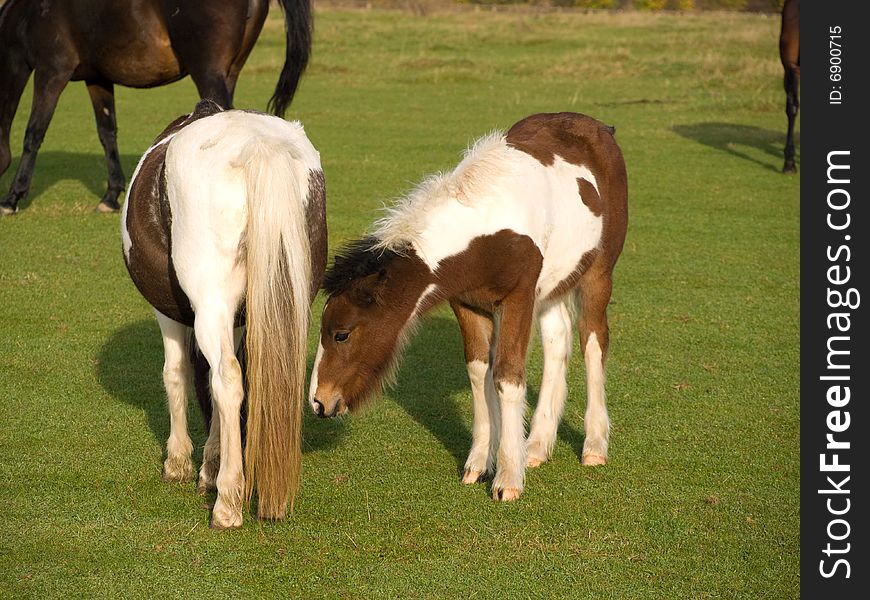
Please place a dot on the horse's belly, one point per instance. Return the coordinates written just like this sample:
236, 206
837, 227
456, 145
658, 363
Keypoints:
138, 54
137, 70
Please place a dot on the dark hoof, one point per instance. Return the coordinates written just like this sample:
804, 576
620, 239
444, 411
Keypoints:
789, 168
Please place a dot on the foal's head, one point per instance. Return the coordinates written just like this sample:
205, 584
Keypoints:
372, 297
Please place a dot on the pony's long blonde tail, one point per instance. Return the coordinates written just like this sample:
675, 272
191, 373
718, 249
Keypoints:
277, 251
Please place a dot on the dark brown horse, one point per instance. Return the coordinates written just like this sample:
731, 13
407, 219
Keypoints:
134, 43
790, 55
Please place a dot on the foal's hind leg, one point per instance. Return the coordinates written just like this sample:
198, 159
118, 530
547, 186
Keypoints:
555, 323
595, 290
477, 334
176, 376
211, 457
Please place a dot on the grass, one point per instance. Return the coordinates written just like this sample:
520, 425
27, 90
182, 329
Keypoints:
700, 498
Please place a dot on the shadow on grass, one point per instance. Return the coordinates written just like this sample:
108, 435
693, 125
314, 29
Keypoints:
432, 373
130, 368
52, 167
729, 137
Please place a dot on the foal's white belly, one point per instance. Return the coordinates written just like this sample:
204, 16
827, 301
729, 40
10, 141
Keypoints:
541, 202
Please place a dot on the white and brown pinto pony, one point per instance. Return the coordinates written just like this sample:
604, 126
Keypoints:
224, 233
528, 222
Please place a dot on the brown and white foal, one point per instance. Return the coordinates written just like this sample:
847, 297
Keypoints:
526, 223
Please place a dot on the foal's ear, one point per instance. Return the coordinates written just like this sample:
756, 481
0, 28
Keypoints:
369, 289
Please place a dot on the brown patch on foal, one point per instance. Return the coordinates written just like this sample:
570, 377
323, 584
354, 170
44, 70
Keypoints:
469, 278
589, 196
578, 139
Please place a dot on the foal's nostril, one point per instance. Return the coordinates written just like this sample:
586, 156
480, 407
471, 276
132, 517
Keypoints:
317, 407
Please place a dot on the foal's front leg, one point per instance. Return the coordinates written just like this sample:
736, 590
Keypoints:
477, 334
509, 376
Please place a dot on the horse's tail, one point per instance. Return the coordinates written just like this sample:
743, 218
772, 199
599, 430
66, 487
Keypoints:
277, 309
299, 26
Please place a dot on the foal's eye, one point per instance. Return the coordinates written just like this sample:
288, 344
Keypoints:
341, 336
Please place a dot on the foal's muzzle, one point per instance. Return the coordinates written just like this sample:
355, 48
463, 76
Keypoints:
338, 408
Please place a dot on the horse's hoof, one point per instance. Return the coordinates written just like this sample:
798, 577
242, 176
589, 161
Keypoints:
536, 453
472, 476
6, 210
533, 462
222, 520
104, 207
204, 487
215, 525
592, 460
177, 469
506, 495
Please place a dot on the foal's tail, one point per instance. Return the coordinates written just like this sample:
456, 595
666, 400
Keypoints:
299, 26
277, 317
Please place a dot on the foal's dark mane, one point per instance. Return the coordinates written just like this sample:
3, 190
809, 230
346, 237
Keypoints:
356, 259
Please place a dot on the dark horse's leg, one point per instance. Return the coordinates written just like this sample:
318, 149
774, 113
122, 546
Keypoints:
103, 100
47, 87
792, 103
790, 55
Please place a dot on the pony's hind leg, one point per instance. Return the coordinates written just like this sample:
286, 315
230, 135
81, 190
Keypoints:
214, 333
595, 290
176, 376
555, 324
211, 459
477, 334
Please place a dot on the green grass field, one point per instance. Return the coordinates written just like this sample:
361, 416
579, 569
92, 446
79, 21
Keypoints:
700, 498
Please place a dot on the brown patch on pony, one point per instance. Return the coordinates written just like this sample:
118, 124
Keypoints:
315, 216
149, 220
589, 196
571, 281
469, 279
578, 139
477, 327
